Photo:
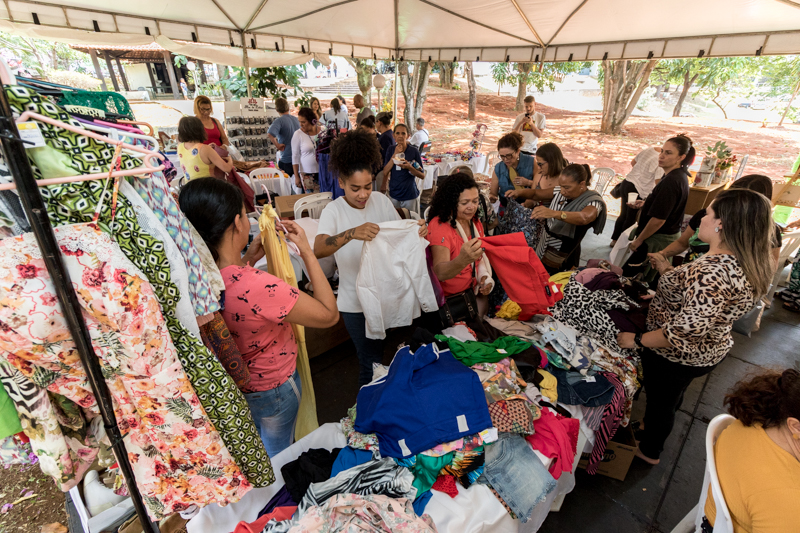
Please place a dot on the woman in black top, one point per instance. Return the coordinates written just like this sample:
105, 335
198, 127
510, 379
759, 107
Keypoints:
662, 213
690, 240
383, 125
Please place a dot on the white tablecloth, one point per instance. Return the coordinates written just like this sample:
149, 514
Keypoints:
474, 510
477, 165
431, 175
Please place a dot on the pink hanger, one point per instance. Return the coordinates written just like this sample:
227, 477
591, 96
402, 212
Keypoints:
146, 169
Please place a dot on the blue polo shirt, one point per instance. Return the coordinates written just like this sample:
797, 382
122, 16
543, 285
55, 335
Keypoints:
283, 129
402, 183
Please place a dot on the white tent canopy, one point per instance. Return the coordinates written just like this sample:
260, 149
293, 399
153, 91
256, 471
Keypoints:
460, 30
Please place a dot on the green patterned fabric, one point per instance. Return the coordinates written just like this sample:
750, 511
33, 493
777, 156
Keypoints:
74, 203
794, 281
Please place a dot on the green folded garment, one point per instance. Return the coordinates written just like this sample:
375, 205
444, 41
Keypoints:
473, 352
9, 421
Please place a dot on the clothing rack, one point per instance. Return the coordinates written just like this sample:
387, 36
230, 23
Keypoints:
33, 205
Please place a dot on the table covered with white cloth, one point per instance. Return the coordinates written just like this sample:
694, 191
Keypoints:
473, 510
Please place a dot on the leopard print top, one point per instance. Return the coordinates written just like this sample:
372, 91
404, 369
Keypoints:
696, 305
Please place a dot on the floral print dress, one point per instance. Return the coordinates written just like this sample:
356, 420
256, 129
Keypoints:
178, 457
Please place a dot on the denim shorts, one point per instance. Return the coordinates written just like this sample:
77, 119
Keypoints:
275, 413
517, 474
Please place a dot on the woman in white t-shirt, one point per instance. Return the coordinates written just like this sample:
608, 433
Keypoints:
355, 217
304, 151
336, 116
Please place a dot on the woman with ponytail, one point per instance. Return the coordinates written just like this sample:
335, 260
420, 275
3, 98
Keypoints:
573, 209
758, 456
661, 214
691, 316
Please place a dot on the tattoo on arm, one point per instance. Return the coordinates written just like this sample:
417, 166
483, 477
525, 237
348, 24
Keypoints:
347, 236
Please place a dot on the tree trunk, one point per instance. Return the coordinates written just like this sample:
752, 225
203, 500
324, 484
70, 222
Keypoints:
687, 84
785, 111
522, 85
224, 74
445, 75
424, 69
413, 86
719, 92
452, 74
363, 68
473, 96
623, 85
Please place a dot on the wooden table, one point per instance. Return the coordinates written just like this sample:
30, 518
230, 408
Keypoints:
701, 197
284, 205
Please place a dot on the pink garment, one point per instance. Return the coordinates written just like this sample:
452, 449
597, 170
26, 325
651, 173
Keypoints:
588, 274
256, 305
280, 514
123, 127
556, 437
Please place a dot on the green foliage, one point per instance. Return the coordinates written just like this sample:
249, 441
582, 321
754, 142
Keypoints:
41, 56
528, 73
456, 87
271, 82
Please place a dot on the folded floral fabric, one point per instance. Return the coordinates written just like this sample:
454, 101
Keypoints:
501, 380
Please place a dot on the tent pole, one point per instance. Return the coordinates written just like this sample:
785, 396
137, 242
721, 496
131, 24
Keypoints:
173, 81
246, 65
96, 63
394, 98
35, 210
114, 81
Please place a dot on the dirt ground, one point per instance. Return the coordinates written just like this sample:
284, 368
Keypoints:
46, 507
772, 150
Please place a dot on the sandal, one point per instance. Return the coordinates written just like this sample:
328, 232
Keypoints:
788, 296
794, 307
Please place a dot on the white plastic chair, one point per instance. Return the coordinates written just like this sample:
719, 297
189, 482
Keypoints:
790, 244
272, 179
603, 175
313, 204
693, 520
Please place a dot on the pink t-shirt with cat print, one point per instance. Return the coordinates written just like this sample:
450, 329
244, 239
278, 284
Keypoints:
256, 305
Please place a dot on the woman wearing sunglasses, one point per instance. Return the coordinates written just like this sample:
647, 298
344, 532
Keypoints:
550, 163
515, 169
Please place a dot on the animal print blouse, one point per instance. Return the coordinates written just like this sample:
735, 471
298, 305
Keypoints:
696, 305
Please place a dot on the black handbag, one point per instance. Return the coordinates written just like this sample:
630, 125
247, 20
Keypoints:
460, 307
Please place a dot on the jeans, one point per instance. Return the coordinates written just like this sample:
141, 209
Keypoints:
411, 205
275, 413
573, 389
665, 383
518, 476
286, 167
368, 350
627, 216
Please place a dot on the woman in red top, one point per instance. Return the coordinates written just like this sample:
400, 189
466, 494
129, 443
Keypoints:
215, 133
453, 232
259, 307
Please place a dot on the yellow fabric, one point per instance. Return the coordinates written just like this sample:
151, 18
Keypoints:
760, 482
192, 164
509, 310
512, 175
549, 386
279, 264
561, 278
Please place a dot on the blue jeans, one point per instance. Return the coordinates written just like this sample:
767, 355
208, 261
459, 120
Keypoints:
275, 413
368, 350
518, 476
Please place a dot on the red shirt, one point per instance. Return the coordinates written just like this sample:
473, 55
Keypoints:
256, 305
213, 135
443, 234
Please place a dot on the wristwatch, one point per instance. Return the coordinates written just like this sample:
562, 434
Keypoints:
637, 340
563, 215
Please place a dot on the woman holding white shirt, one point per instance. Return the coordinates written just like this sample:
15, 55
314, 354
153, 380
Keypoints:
304, 151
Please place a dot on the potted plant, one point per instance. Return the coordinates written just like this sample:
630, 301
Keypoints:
725, 161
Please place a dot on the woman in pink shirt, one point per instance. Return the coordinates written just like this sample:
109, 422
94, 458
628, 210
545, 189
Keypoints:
259, 308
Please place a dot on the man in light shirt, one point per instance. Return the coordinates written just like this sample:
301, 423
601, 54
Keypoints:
421, 135
530, 125
640, 180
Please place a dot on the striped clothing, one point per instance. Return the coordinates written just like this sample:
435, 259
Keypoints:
612, 415
557, 204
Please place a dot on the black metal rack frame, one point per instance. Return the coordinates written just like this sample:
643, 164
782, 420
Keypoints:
32, 203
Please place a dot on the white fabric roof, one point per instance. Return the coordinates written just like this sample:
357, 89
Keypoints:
464, 30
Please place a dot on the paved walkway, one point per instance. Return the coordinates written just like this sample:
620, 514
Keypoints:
652, 498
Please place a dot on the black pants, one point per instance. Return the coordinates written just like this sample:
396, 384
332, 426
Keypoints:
665, 383
627, 216
286, 167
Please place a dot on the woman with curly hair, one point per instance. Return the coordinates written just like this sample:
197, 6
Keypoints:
348, 222
454, 232
762, 491
515, 169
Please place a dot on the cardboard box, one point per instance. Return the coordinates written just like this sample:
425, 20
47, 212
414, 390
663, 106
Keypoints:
617, 457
